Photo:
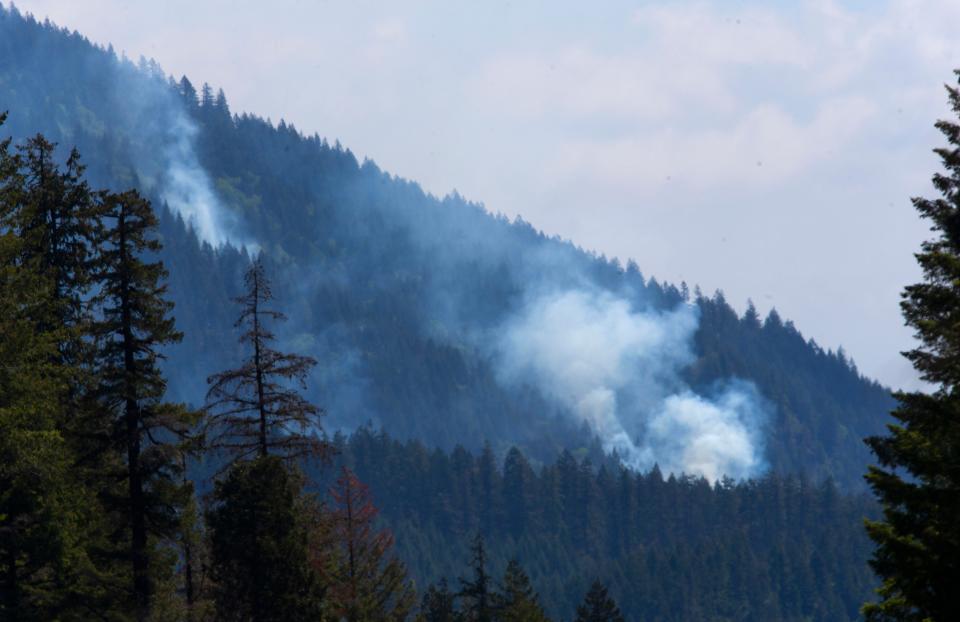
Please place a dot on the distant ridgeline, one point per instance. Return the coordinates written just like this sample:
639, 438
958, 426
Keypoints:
428, 315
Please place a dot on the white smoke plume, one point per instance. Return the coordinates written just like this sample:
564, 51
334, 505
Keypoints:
186, 188
163, 149
618, 370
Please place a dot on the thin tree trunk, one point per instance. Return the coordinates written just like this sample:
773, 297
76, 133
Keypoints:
259, 367
138, 526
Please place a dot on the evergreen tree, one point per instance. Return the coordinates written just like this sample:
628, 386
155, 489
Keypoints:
366, 583
516, 600
598, 606
518, 480
253, 409
57, 217
259, 545
134, 329
478, 590
438, 605
918, 479
39, 517
49, 522
194, 555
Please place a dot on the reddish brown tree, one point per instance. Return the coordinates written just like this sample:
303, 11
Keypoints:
365, 581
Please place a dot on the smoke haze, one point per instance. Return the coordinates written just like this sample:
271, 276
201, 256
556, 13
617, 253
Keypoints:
493, 294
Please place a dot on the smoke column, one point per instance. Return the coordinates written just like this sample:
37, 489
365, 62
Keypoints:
618, 370
186, 188
163, 150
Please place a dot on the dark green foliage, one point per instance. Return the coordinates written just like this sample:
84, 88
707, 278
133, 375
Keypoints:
598, 606
671, 549
41, 544
438, 604
51, 527
516, 600
386, 282
918, 479
141, 428
259, 545
477, 589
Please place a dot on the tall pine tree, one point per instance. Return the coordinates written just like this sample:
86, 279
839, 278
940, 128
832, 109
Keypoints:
134, 329
918, 479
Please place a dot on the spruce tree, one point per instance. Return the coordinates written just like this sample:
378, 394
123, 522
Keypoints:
367, 582
253, 409
917, 552
478, 590
259, 544
51, 526
517, 601
598, 606
58, 219
134, 328
41, 549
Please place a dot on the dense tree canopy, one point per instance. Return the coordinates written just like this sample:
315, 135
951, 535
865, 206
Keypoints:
667, 548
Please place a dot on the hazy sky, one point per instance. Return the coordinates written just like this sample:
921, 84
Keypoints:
765, 148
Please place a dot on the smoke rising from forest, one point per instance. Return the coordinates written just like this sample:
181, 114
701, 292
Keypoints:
618, 370
608, 365
186, 189
534, 308
165, 155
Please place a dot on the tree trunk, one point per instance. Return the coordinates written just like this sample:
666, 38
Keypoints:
258, 366
138, 524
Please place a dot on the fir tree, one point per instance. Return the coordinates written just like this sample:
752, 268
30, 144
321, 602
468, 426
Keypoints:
49, 521
367, 583
253, 409
598, 606
516, 601
259, 545
134, 329
478, 590
57, 218
41, 553
918, 479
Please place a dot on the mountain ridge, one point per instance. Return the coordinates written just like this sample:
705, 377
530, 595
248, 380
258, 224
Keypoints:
365, 263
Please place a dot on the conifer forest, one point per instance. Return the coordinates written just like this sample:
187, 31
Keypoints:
246, 375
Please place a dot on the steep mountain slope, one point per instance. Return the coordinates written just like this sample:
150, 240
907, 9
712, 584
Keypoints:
428, 315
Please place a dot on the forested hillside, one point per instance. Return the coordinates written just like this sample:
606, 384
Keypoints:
395, 291
668, 548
